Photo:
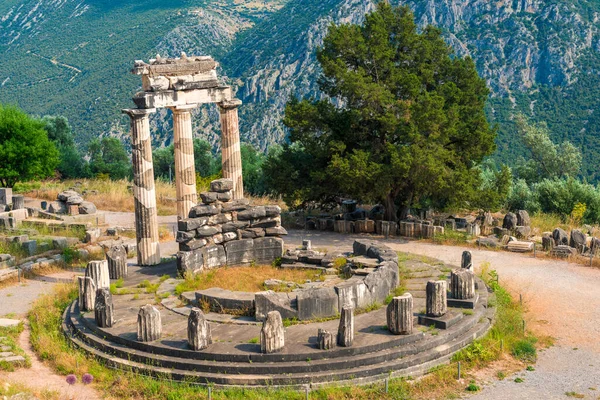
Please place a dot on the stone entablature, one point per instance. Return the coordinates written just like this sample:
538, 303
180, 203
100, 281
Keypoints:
223, 231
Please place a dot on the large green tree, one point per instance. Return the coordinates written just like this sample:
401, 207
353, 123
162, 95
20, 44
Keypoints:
108, 157
72, 164
403, 122
26, 153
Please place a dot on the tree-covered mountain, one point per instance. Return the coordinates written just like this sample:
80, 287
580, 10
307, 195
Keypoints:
72, 57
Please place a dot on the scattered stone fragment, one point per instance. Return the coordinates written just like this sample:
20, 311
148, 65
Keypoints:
325, 340
272, 334
87, 293
199, 335
345, 335
98, 271
467, 260
104, 311
510, 221
149, 324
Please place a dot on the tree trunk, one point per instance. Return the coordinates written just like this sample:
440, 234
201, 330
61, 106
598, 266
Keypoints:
390, 207
404, 210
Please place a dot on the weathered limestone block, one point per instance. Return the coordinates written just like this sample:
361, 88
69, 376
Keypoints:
184, 237
595, 246
253, 233
400, 315
240, 252
547, 243
418, 227
467, 260
345, 335
268, 223
325, 340
221, 185
236, 205
252, 213
57, 207
317, 303
18, 202
92, 235
199, 336
267, 249
560, 237
104, 311
272, 335
268, 301
98, 271
409, 229
436, 302
214, 256
191, 224
473, 229
522, 232
5, 196
30, 247
225, 196
149, 324
87, 208
208, 197
116, 257
193, 244
510, 221
203, 210
578, 240
272, 211
87, 293
462, 284
523, 218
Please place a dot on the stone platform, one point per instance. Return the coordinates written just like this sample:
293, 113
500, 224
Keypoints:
235, 359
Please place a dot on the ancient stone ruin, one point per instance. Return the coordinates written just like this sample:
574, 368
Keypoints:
180, 84
70, 202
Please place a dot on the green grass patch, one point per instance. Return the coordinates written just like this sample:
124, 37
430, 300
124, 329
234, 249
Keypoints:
10, 341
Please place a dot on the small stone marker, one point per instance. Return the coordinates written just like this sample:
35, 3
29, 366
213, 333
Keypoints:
272, 335
345, 335
87, 293
149, 324
98, 271
436, 304
116, 257
325, 340
467, 260
199, 336
462, 284
400, 315
306, 245
104, 311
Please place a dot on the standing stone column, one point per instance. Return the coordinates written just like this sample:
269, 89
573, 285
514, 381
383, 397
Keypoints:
98, 271
185, 169
230, 145
146, 223
104, 311
272, 335
149, 324
437, 298
400, 315
346, 329
462, 284
199, 336
467, 260
87, 293
116, 257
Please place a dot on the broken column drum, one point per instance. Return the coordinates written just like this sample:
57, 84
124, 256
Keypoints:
199, 335
104, 311
272, 334
462, 284
467, 260
436, 298
325, 340
87, 293
98, 271
345, 336
116, 257
400, 315
149, 324
180, 84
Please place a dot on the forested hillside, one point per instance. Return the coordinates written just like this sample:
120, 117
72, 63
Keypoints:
73, 58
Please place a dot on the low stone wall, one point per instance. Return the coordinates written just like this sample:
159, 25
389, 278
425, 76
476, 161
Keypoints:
222, 231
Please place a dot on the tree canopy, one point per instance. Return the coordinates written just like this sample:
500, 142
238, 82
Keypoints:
26, 153
72, 164
402, 122
108, 157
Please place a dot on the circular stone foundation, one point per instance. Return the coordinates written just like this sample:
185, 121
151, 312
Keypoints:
234, 358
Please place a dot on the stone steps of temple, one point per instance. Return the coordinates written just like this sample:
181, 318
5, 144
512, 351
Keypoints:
406, 366
345, 365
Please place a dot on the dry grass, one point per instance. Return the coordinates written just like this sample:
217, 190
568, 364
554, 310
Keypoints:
244, 279
115, 195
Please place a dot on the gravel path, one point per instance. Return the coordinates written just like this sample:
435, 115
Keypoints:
562, 301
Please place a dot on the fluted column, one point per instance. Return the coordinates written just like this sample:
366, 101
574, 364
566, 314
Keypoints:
185, 170
144, 193
230, 146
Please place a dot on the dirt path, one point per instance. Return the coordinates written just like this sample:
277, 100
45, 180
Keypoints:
562, 301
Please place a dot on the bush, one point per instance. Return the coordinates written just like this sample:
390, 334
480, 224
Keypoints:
560, 196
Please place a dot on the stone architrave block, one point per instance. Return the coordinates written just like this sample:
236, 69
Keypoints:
149, 324
199, 335
240, 252
467, 260
87, 293
400, 315
462, 284
104, 312
345, 336
317, 303
268, 249
116, 258
214, 256
190, 262
436, 298
98, 271
325, 339
272, 334
268, 301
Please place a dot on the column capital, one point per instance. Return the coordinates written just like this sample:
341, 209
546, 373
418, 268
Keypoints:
230, 104
183, 108
138, 112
